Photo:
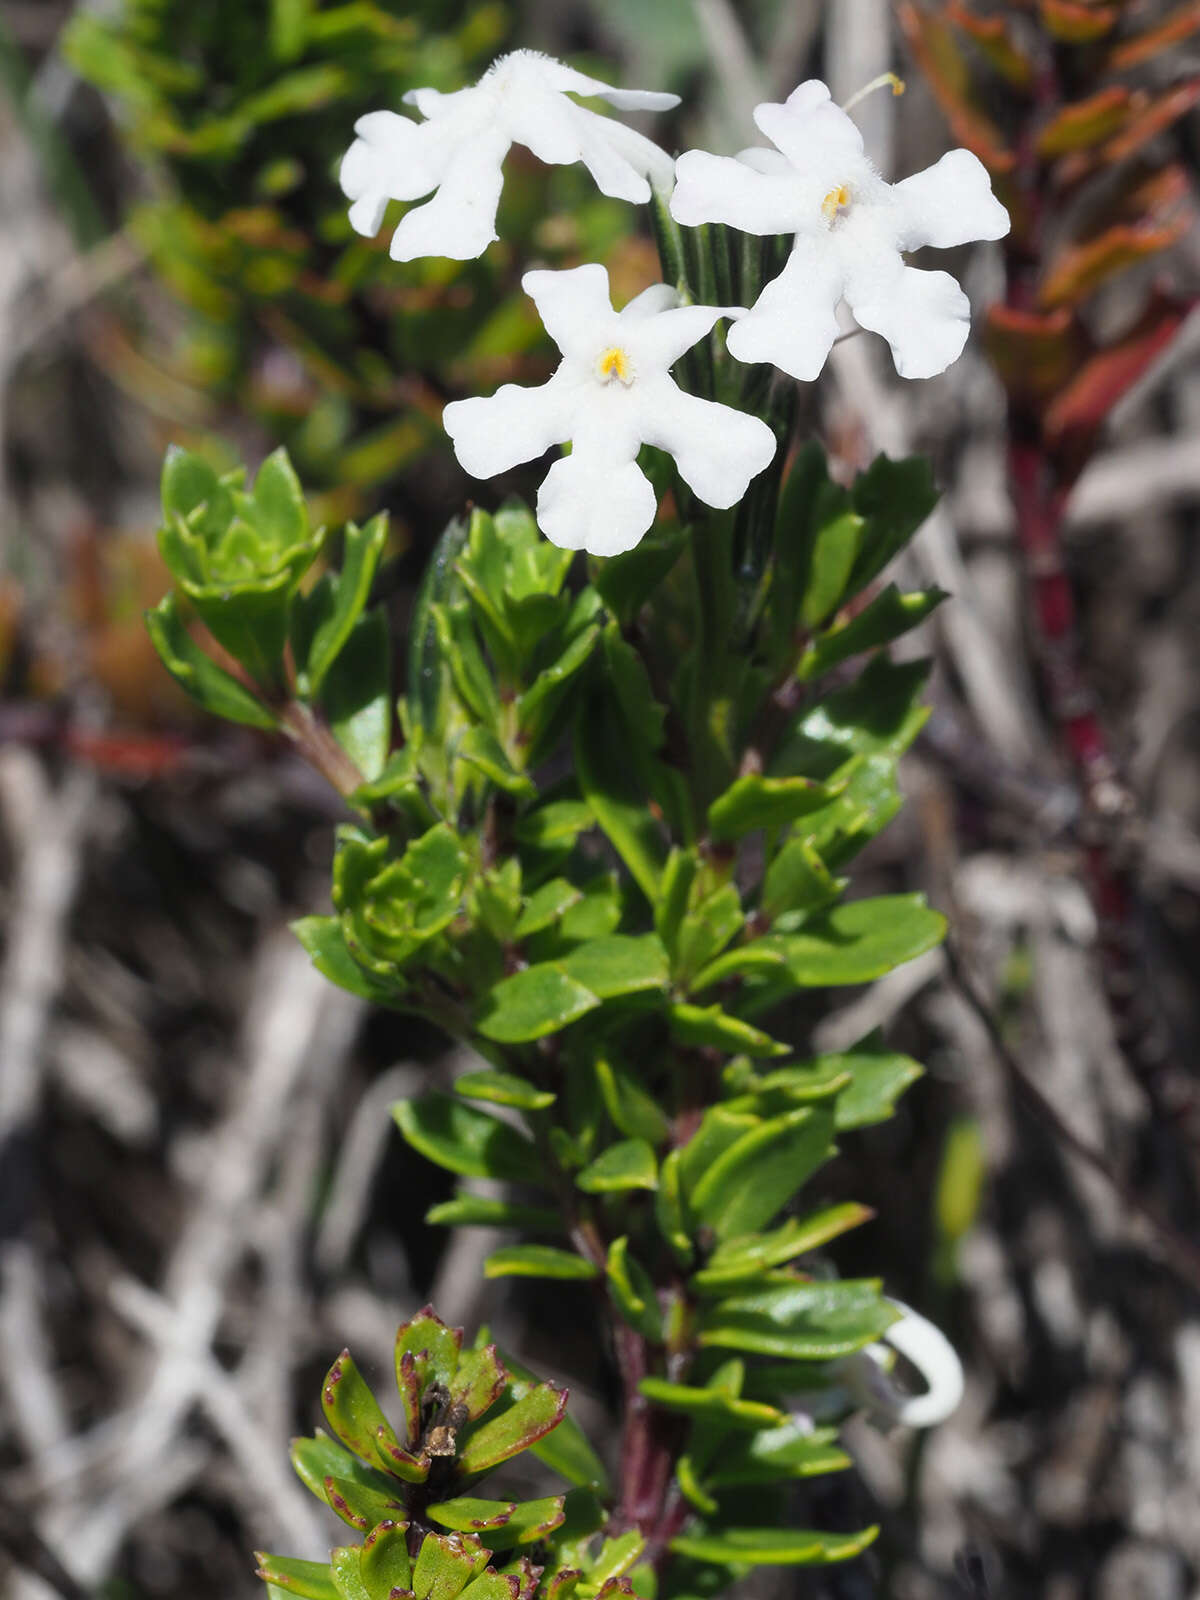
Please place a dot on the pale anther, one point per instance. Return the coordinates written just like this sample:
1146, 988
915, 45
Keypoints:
615, 363
887, 80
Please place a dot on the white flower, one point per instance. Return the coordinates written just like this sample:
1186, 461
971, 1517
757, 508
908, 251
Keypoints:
459, 148
851, 229
611, 394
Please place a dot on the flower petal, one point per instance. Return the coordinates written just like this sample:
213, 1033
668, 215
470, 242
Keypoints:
406, 159
719, 189
948, 204
557, 75
659, 341
460, 220
591, 501
809, 128
793, 323
513, 425
924, 316
573, 304
623, 163
658, 297
717, 449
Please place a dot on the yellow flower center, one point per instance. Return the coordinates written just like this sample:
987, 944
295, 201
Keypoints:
835, 202
615, 363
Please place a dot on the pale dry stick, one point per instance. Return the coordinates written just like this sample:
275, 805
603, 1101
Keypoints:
738, 75
297, 1023
287, 1513
47, 831
858, 50
362, 1149
795, 30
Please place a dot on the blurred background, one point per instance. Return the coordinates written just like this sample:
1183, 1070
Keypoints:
201, 1195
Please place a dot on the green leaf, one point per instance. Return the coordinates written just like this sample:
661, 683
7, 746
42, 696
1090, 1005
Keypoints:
477, 1211
541, 1000
558, 822
618, 965
445, 1564
320, 1458
798, 880
740, 1259
801, 1321
467, 1515
531, 1521
707, 929
615, 1557
710, 1026
503, 1089
479, 1381
633, 1291
325, 942
601, 771
483, 750
434, 1348
628, 1165
862, 940
546, 906
384, 1563
626, 675
310, 1579
836, 544
472, 1143
361, 1508
878, 714
208, 684
888, 616
757, 1176
773, 1547
878, 1077
323, 620
792, 1450
719, 1129
757, 802
895, 497
566, 1449
356, 694
352, 1411
627, 581
670, 1210
533, 1416
711, 1403
537, 1261
632, 1109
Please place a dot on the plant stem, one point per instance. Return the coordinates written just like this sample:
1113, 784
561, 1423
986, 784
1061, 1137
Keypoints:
319, 748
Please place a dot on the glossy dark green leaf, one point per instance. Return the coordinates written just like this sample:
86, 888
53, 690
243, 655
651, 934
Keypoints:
323, 620
712, 1403
503, 1089
208, 684
483, 751
531, 1004
801, 1321
356, 694
534, 1415
384, 1563
445, 1564
345, 1563
835, 547
537, 1261
756, 1177
889, 615
546, 906
862, 940
627, 581
878, 1077
627, 1165
759, 802
894, 497
710, 1026
602, 772
470, 1142
633, 1110
325, 942
632, 1290
312, 1580
479, 1211
352, 1411
626, 675
744, 1258
618, 965
774, 1547
468, 1515
798, 880
880, 713
719, 1129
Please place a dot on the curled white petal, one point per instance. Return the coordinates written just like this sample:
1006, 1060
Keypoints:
717, 449
924, 316
459, 147
586, 503
794, 322
851, 230
513, 425
869, 1383
611, 394
948, 204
